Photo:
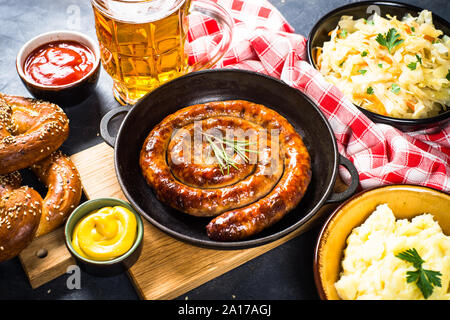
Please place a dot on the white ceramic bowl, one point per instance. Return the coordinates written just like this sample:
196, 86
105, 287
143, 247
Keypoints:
67, 94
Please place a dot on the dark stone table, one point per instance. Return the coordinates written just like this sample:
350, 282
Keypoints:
282, 273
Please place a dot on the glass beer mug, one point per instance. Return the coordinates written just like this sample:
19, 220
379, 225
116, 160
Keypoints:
142, 42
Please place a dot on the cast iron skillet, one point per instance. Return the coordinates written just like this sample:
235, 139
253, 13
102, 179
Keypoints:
218, 85
364, 9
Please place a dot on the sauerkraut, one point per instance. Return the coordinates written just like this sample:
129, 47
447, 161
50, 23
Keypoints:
407, 78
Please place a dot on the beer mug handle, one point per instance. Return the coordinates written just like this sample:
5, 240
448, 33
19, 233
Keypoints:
218, 13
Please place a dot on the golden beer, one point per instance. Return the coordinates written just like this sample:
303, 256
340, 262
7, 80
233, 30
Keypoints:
142, 43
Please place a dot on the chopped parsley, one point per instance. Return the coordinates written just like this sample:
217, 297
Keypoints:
369, 90
362, 71
412, 65
343, 34
380, 65
390, 40
419, 59
395, 88
364, 53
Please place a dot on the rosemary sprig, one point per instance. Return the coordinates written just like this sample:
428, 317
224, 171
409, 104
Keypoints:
240, 147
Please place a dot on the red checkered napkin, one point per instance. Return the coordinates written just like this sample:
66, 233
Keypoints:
263, 41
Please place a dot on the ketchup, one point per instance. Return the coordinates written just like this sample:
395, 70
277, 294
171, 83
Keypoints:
59, 63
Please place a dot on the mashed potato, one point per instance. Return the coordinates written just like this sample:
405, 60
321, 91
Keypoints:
370, 269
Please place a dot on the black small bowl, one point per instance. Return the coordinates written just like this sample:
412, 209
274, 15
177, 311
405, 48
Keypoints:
319, 35
109, 267
68, 94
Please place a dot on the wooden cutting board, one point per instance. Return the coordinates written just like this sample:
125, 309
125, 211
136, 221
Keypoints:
165, 269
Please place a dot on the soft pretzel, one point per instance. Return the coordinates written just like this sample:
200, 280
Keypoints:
63, 182
23, 213
30, 130
20, 213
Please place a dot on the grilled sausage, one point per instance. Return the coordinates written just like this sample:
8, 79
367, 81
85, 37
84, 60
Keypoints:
248, 197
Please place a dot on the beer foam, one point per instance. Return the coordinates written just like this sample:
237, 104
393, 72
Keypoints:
131, 11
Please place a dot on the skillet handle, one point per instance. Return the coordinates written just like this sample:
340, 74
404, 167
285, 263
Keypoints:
104, 123
338, 197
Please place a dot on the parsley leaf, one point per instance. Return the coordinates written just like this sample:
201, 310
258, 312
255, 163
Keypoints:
395, 88
370, 90
434, 277
412, 65
364, 53
380, 65
362, 71
419, 59
424, 279
411, 255
412, 276
343, 33
390, 40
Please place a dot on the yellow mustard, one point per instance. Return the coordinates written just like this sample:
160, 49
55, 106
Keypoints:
105, 234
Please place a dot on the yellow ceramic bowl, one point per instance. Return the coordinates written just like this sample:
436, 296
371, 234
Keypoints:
406, 201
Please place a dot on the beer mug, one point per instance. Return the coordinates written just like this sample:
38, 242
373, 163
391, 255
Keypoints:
142, 42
